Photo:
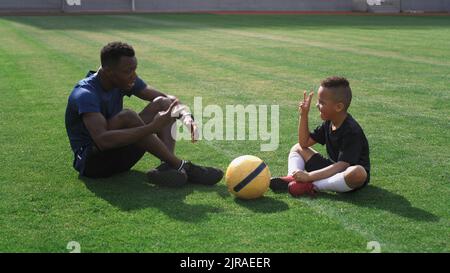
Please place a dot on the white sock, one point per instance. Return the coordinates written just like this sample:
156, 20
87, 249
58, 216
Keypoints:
295, 162
334, 183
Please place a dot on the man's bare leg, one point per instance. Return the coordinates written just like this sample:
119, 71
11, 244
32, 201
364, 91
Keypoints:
149, 113
151, 143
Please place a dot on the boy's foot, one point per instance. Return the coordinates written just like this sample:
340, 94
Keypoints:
298, 189
280, 184
164, 175
202, 175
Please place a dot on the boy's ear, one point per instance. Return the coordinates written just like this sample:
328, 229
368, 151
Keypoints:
339, 107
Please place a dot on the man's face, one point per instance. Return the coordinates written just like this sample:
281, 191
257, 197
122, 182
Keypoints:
124, 74
326, 104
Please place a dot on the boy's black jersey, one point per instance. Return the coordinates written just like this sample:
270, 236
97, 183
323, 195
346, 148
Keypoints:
348, 143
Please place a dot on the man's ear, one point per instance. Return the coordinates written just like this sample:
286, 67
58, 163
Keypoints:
107, 70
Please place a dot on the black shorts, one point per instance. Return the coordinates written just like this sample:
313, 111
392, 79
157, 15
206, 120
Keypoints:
317, 162
99, 164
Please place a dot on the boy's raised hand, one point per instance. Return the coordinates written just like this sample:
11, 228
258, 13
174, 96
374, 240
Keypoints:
303, 106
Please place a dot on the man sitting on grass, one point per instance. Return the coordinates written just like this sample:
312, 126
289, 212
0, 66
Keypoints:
107, 139
347, 167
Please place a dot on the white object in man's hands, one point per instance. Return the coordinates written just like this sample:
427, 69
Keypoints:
183, 113
179, 110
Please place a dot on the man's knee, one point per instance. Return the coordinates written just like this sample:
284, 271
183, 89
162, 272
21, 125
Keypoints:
153, 108
162, 103
128, 119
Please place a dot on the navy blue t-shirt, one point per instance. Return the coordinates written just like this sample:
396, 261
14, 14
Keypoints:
348, 143
89, 96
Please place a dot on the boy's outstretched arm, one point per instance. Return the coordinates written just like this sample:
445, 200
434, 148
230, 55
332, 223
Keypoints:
304, 138
303, 176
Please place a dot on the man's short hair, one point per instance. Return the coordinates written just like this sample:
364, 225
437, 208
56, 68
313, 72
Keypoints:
112, 52
341, 90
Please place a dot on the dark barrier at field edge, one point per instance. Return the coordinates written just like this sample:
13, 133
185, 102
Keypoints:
144, 6
173, 262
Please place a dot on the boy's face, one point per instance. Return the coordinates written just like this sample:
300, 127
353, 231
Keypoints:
328, 108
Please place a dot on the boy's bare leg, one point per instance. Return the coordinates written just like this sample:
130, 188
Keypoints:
151, 143
306, 153
355, 176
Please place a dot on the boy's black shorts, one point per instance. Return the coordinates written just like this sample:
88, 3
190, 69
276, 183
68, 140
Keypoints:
107, 163
317, 162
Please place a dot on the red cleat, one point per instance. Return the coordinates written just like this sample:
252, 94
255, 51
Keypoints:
299, 189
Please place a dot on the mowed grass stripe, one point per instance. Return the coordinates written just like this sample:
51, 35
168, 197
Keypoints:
297, 40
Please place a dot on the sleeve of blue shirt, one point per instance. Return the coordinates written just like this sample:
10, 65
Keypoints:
87, 102
138, 86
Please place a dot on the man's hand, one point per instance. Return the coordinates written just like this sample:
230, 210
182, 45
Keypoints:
301, 176
194, 131
303, 106
191, 125
164, 118
171, 97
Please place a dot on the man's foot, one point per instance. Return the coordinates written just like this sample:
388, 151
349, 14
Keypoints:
164, 175
280, 184
298, 189
202, 175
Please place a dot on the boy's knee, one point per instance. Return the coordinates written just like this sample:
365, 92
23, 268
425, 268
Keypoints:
356, 174
295, 148
305, 153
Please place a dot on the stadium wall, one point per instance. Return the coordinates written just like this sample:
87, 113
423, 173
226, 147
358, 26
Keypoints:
425, 5
73, 6
210, 5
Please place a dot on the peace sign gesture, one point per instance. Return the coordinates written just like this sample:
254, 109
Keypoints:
304, 105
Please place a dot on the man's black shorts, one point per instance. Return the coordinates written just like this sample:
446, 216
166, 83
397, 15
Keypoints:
99, 164
317, 162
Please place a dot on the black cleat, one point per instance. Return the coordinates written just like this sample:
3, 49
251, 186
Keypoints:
280, 184
166, 176
202, 175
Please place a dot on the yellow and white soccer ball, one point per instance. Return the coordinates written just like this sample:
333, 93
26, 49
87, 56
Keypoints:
247, 177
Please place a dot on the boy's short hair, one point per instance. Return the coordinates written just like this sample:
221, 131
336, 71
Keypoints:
341, 90
112, 52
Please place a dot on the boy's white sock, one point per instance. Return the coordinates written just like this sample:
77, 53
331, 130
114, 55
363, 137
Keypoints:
295, 162
334, 183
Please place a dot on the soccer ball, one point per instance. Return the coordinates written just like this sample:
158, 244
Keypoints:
247, 177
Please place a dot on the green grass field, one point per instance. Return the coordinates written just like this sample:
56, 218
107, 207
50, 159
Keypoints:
399, 71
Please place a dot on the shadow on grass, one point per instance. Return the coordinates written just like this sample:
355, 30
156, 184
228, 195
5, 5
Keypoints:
378, 198
263, 205
129, 191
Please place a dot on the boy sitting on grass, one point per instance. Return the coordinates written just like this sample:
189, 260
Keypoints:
347, 167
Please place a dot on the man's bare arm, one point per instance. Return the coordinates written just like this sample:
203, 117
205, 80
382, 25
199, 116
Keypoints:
150, 93
107, 139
